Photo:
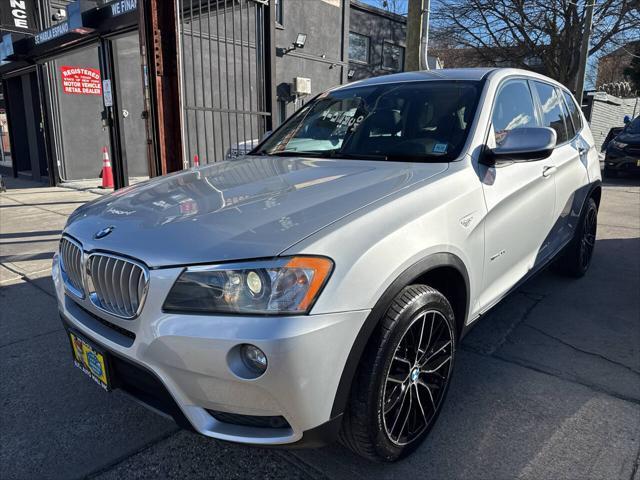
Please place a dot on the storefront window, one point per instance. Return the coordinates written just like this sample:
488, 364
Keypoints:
5, 148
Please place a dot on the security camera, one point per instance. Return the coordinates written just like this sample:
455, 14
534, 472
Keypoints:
59, 14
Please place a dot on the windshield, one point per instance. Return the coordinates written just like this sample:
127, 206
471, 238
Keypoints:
425, 121
633, 126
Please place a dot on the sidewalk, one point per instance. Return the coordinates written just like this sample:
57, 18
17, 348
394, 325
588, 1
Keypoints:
31, 219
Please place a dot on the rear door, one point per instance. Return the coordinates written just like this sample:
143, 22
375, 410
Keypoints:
569, 161
520, 199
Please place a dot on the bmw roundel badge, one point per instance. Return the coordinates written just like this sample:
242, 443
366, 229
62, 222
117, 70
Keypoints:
103, 233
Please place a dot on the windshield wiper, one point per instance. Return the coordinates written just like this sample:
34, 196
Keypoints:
355, 156
292, 153
360, 156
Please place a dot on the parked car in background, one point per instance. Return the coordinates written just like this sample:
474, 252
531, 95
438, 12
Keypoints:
319, 286
240, 149
613, 133
623, 151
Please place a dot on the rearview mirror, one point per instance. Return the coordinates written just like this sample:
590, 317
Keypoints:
523, 145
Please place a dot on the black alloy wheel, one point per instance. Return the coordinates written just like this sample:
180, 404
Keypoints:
403, 376
417, 377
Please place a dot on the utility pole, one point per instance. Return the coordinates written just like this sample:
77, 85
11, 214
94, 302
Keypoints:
414, 34
584, 48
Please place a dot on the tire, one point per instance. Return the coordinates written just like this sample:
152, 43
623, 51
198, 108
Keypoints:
366, 429
608, 173
576, 258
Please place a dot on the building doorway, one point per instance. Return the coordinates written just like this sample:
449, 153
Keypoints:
131, 95
99, 99
81, 132
28, 155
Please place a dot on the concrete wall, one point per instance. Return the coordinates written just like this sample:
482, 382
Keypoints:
607, 111
324, 55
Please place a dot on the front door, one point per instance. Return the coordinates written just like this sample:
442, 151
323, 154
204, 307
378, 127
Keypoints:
520, 200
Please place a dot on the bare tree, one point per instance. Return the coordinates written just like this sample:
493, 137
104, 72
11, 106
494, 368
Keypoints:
544, 34
394, 6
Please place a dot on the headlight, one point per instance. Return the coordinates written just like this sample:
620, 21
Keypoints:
281, 286
619, 145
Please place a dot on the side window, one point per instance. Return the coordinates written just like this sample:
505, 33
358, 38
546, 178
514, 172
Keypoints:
513, 109
566, 116
573, 111
552, 114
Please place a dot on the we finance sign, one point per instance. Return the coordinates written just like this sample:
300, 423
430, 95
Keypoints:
81, 80
17, 15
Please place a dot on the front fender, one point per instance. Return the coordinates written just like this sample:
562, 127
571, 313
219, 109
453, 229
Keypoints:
407, 277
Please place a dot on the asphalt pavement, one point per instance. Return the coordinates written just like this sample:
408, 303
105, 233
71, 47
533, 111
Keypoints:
546, 386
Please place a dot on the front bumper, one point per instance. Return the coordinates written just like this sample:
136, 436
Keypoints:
622, 162
189, 357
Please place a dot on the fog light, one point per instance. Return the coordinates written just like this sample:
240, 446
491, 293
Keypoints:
254, 358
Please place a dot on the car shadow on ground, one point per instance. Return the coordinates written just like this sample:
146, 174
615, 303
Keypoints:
622, 180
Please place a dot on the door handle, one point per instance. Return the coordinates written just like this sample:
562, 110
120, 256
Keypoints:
548, 171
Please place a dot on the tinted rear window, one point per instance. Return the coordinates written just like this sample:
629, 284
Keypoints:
573, 111
552, 113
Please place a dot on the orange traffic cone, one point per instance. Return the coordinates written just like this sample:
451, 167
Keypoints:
107, 173
196, 160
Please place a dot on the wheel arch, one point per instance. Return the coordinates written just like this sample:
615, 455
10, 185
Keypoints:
445, 272
596, 192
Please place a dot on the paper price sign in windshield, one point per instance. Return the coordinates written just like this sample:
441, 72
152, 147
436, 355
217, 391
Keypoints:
81, 80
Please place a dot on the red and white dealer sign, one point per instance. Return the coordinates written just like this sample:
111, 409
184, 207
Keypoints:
81, 80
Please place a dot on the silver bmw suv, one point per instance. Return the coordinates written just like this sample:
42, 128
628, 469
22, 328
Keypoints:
317, 287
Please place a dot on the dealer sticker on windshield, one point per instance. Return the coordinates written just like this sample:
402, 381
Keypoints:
440, 148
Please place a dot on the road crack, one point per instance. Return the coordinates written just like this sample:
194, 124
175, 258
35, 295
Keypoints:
577, 349
123, 458
536, 299
544, 371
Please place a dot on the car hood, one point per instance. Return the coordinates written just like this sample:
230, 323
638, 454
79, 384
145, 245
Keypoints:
254, 207
630, 138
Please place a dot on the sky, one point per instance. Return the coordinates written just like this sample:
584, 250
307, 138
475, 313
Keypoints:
401, 5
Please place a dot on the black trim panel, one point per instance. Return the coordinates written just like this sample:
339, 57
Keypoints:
320, 436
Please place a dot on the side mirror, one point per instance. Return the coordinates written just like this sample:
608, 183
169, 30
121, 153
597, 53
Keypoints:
523, 145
